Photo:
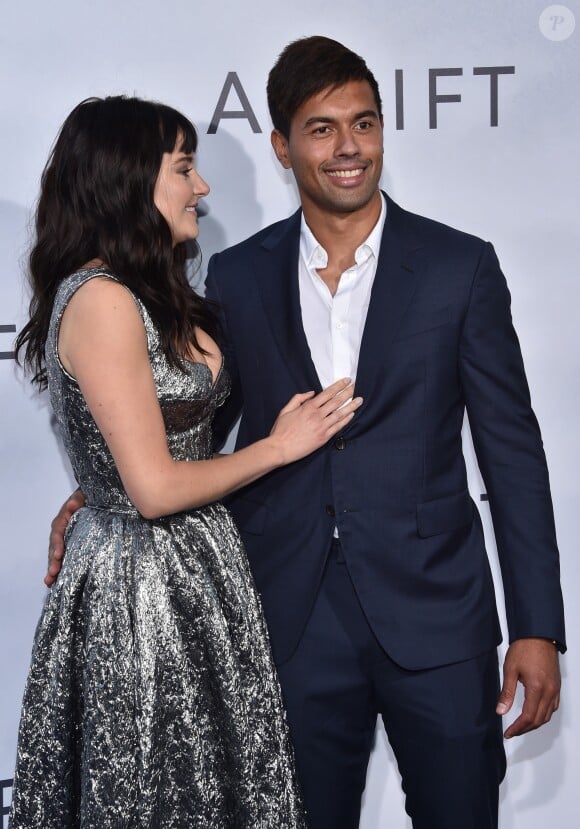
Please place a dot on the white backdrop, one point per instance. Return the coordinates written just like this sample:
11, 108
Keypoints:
515, 183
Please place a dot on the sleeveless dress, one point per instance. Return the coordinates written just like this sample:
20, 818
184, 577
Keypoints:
152, 700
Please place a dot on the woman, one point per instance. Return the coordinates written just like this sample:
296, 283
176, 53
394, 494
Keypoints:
152, 699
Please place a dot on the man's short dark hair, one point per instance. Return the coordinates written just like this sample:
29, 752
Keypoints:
305, 68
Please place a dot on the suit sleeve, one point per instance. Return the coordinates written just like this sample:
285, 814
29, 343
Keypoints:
511, 458
227, 414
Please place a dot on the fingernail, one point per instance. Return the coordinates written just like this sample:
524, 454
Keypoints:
501, 708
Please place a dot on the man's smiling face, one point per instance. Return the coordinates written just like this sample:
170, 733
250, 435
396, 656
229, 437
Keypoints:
335, 149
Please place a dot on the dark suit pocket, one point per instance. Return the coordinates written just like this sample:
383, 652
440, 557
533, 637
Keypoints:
419, 323
444, 514
250, 516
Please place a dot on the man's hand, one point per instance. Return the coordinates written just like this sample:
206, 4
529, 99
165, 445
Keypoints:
534, 663
56, 538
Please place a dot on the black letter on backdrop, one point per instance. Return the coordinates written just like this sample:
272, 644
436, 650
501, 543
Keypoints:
232, 80
434, 98
7, 329
493, 72
4, 810
399, 106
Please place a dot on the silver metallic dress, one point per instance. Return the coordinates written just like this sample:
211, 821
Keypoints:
152, 699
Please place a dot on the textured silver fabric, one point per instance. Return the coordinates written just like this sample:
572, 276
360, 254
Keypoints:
152, 699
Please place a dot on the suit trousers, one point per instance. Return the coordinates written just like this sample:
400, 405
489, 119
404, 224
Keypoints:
440, 722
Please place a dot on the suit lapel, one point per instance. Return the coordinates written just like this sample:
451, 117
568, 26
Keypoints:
392, 291
276, 269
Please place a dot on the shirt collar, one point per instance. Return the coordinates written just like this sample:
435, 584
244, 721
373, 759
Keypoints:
315, 256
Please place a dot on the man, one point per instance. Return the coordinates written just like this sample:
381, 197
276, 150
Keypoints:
369, 554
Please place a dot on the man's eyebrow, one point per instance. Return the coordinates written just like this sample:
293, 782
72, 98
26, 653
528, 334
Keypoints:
318, 119
366, 113
324, 119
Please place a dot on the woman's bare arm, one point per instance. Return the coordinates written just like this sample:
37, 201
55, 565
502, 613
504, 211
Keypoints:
102, 343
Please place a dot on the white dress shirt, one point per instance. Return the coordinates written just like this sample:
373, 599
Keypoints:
334, 324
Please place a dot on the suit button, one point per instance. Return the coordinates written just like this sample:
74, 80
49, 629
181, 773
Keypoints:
340, 443
329, 509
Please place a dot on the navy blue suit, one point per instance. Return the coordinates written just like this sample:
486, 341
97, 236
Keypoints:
438, 340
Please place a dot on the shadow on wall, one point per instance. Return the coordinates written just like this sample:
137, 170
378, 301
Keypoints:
530, 783
16, 233
383, 788
14, 238
231, 212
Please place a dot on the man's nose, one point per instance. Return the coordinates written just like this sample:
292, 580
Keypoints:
346, 143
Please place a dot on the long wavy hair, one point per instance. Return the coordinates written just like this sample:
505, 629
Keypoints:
96, 202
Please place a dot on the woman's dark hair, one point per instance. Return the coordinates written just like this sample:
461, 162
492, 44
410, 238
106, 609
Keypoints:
96, 202
305, 68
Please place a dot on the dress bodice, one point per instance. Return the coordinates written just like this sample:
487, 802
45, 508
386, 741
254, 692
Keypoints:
188, 398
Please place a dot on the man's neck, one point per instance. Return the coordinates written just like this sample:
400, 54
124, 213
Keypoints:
340, 234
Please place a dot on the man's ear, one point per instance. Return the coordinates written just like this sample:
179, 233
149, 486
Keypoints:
280, 146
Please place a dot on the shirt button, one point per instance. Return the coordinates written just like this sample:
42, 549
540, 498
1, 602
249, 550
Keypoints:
329, 509
340, 443
340, 325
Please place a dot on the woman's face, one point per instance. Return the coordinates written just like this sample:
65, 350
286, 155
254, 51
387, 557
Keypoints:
177, 191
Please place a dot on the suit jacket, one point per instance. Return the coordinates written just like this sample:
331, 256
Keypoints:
438, 339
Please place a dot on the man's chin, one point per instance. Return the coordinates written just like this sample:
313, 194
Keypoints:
349, 202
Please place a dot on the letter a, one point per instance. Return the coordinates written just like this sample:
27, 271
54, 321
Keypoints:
232, 80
